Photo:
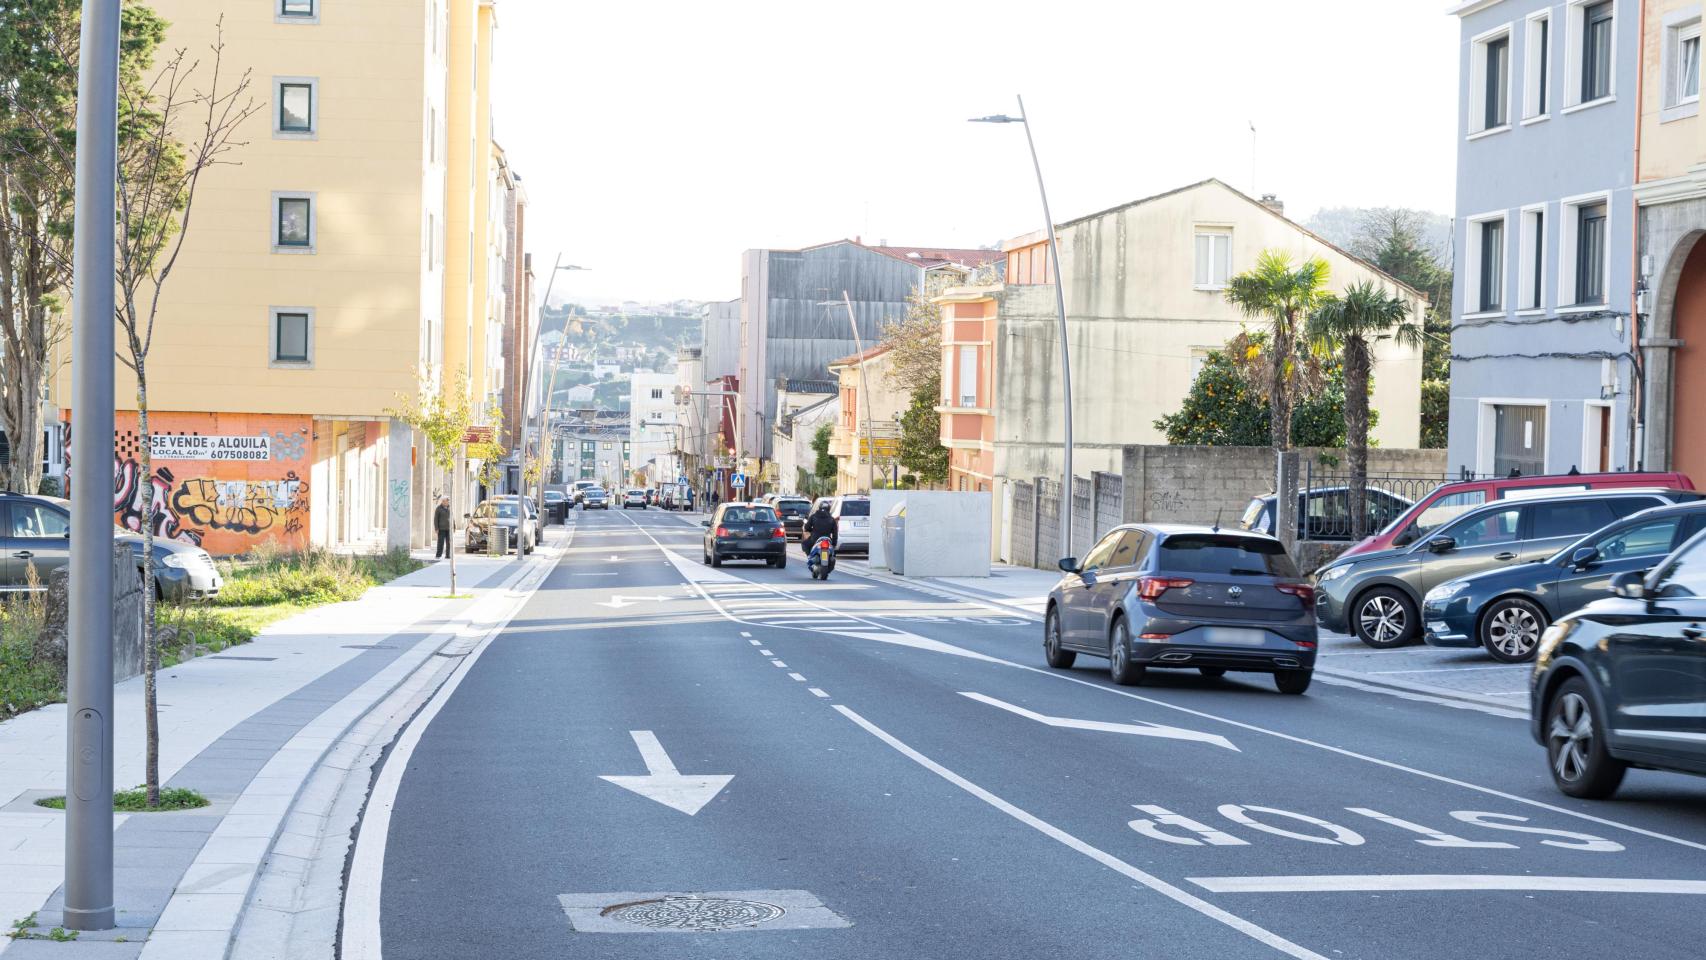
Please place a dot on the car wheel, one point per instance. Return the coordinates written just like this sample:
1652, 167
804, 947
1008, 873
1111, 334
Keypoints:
781, 563
1212, 671
1511, 629
1575, 745
1053, 652
1293, 681
1384, 617
716, 559
1120, 668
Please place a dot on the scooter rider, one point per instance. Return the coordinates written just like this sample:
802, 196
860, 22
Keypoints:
820, 524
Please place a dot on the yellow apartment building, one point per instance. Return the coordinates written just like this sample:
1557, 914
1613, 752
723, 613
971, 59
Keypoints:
1670, 199
337, 260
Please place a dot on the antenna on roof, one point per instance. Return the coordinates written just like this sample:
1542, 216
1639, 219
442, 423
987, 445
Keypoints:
1217, 511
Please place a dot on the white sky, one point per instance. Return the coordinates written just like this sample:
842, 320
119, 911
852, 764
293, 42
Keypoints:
658, 140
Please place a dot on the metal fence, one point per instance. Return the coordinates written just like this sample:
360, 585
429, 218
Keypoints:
1098, 505
1325, 495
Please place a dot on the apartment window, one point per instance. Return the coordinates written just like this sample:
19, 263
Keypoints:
1492, 264
1214, 259
1537, 72
293, 223
1490, 81
1680, 64
295, 115
657, 394
1592, 47
1532, 279
297, 11
291, 336
1590, 253
968, 376
608, 445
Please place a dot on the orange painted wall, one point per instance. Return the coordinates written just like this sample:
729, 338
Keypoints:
228, 506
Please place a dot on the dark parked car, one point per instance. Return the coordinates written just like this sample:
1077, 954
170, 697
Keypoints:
1150, 596
1621, 682
793, 511
1507, 610
594, 498
495, 514
1324, 513
745, 531
1378, 596
38, 535
533, 524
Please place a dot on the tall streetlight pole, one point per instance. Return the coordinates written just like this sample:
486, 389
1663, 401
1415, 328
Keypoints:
545, 449
1060, 305
89, 654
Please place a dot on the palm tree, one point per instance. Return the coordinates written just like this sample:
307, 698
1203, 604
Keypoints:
1350, 325
1284, 295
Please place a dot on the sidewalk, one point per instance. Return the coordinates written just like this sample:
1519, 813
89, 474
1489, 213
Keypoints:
245, 727
1459, 677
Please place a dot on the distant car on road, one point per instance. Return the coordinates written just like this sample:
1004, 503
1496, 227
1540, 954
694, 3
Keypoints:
634, 498
1160, 595
1378, 596
1620, 682
745, 531
496, 514
853, 518
1324, 513
577, 493
1448, 501
556, 502
594, 498
1506, 610
793, 511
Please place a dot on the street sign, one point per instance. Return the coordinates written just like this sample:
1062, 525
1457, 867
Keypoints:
738, 481
681, 479
478, 435
886, 447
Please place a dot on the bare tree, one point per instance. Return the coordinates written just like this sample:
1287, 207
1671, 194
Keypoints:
159, 171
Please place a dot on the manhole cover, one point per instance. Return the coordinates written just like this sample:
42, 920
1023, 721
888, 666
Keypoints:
695, 913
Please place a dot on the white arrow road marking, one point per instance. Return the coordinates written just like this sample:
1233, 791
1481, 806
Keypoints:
1424, 881
1135, 729
619, 601
664, 783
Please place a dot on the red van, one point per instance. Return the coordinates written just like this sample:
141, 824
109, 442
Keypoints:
1451, 499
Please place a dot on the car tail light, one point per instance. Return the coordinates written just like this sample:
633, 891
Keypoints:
1305, 644
1155, 636
779, 534
1151, 588
722, 531
1302, 591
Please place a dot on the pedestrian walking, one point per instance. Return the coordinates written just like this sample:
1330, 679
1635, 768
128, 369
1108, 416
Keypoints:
441, 523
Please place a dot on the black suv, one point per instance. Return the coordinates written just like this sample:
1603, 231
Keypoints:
1622, 681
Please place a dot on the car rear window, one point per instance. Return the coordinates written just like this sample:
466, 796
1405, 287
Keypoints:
855, 508
1212, 553
749, 515
793, 508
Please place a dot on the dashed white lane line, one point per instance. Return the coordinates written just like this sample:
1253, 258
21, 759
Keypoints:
745, 634
753, 642
795, 676
778, 663
765, 653
1171, 892
819, 693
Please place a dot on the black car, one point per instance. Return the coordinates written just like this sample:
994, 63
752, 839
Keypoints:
793, 511
745, 531
594, 498
1378, 595
1622, 681
37, 541
1506, 610
1150, 596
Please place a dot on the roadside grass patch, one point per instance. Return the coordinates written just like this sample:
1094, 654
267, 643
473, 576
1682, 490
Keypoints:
136, 801
25, 681
272, 576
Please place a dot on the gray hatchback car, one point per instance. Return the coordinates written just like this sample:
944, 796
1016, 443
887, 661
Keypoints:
1153, 595
1378, 596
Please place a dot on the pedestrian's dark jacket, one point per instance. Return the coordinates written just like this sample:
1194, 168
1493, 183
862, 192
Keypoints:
822, 524
441, 518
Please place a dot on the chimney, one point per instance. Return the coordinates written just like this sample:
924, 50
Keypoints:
1274, 203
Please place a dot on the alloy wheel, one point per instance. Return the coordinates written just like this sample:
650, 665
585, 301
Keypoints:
1513, 631
1570, 737
1384, 619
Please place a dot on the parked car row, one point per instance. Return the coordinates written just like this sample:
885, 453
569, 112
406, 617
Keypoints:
37, 532
517, 514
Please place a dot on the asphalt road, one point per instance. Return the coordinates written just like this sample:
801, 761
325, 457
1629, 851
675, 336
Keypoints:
908, 781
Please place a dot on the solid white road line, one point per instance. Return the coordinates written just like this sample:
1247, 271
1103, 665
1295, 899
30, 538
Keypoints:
1101, 726
1356, 883
1106, 859
889, 635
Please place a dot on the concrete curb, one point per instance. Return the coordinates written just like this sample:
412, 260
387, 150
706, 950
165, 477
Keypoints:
198, 924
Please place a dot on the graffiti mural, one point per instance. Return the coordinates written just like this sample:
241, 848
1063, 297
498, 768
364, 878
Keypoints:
129, 498
251, 507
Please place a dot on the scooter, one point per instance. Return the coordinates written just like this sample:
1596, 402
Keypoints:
821, 559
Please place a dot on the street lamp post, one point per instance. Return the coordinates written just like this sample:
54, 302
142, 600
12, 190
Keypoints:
1060, 305
545, 449
89, 652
